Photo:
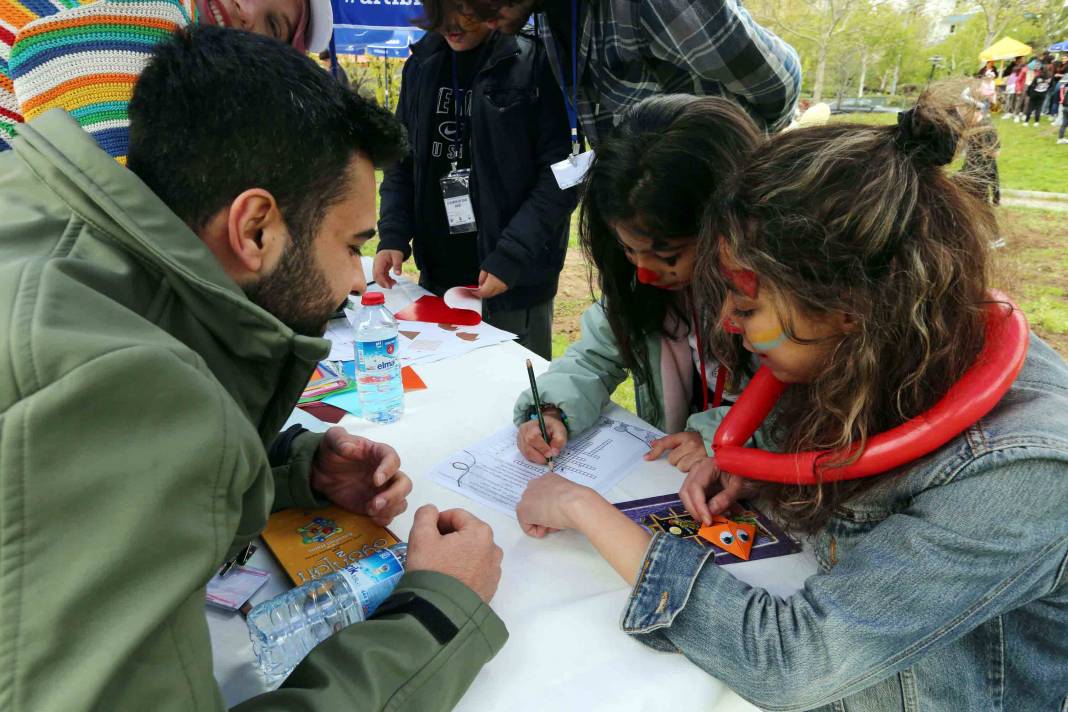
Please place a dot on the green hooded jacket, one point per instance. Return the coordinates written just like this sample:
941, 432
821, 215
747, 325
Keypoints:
139, 388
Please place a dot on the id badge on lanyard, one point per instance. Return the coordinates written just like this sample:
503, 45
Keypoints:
570, 171
456, 190
456, 184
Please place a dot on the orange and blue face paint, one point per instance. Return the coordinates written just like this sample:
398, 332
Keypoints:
747, 283
768, 339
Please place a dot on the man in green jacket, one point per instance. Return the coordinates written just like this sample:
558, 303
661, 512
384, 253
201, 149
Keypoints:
157, 325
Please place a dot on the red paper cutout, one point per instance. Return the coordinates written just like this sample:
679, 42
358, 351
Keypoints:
434, 310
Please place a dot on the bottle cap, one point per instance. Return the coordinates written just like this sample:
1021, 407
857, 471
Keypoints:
371, 299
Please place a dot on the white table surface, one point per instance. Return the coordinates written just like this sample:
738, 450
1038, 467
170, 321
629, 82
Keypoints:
560, 600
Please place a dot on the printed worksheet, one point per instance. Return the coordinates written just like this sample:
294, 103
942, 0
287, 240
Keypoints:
494, 472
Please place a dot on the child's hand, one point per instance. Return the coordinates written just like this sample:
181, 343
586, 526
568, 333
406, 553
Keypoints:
533, 445
707, 479
385, 261
551, 503
687, 449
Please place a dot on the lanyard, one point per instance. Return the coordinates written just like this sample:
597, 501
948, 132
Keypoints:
458, 101
570, 99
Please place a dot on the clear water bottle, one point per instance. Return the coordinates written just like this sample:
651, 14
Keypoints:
378, 376
286, 628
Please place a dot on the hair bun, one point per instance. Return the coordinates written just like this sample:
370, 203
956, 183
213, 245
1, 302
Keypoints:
927, 143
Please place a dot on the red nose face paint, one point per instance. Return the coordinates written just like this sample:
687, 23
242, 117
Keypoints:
648, 276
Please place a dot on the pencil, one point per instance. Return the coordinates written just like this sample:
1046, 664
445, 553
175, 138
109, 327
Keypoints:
537, 406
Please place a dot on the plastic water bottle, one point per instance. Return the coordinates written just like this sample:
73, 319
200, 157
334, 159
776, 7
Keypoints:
378, 376
286, 628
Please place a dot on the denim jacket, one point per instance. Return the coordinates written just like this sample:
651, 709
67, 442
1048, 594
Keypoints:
945, 587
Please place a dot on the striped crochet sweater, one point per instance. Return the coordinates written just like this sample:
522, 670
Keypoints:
84, 57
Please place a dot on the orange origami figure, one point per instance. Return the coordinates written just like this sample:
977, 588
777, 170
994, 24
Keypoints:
731, 536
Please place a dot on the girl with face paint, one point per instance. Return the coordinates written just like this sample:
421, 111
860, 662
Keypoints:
854, 266
643, 201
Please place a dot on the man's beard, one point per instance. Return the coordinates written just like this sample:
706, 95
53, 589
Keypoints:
296, 292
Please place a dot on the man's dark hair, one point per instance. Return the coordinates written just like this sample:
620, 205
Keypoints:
218, 111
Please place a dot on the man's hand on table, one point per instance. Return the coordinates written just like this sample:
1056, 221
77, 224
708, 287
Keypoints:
360, 475
458, 544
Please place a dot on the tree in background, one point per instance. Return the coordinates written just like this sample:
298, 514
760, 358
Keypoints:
1050, 19
1000, 14
849, 47
812, 25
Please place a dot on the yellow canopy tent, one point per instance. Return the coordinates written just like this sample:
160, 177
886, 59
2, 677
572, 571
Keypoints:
1005, 48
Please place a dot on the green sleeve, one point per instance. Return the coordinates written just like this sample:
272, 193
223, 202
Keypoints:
582, 381
292, 481
397, 661
123, 481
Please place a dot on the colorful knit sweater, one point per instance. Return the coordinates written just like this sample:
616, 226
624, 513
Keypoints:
83, 56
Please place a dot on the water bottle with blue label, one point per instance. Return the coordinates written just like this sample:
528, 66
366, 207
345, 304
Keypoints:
378, 376
286, 628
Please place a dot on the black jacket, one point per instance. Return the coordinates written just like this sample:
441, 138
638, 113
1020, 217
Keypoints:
518, 130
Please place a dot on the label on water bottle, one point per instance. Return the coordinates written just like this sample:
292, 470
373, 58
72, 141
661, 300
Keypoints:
375, 356
372, 579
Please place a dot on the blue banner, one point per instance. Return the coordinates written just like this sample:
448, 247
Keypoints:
377, 13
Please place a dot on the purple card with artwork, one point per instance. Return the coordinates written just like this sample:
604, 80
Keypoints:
667, 514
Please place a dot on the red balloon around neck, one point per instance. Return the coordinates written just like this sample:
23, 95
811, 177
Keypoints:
968, 400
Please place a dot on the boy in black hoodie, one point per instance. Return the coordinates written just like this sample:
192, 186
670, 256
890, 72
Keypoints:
506, 228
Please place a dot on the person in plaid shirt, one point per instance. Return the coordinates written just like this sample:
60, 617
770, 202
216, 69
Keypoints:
630, 50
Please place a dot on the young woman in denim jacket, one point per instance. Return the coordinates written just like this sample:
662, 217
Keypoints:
641, 215
856, 268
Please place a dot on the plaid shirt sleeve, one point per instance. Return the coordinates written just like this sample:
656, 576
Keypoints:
718, 41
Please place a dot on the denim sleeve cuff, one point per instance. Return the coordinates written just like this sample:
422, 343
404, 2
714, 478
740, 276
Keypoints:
664, 585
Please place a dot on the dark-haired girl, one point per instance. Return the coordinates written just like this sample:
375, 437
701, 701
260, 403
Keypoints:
641, 214
920, 434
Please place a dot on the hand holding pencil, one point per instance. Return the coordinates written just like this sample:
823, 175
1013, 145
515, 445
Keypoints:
540, 440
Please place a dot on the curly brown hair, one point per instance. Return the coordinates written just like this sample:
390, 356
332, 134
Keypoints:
863, 221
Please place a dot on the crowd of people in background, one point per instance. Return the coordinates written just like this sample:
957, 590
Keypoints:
1030, 89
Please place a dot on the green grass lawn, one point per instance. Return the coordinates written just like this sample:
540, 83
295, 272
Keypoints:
1030, 158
